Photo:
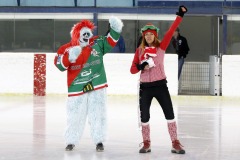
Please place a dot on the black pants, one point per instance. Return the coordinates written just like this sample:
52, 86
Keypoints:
161, 93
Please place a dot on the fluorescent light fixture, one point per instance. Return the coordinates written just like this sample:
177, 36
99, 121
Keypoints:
233, 17
46, 16
166, 17
72, 16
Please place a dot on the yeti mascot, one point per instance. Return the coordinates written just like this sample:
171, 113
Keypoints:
82, 57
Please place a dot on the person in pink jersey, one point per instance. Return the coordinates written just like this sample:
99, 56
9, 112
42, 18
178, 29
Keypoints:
153, 83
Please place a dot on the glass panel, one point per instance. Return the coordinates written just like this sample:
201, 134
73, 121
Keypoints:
62, 32
7, 35
48, 35
34, 35
47, 3
85, 2
8, 3
108, 3
233, 37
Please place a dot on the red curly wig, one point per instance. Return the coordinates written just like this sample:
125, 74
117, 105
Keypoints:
75, 32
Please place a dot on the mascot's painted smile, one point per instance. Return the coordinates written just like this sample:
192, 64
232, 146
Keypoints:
85, 35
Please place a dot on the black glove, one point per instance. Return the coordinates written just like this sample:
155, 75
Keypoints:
141, 66
180, 12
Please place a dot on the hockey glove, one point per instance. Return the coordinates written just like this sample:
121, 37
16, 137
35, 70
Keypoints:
141, 66
181, 11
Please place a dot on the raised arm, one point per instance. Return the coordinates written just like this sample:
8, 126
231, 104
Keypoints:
168, 36
112, 37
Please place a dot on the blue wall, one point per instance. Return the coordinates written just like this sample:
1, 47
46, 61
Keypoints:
213, 7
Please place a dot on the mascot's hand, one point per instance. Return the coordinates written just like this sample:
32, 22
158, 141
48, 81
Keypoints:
74, 52
181, 11
116, 24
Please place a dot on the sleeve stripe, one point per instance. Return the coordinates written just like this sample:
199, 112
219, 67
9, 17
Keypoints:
109, 35
62, 62
111, 40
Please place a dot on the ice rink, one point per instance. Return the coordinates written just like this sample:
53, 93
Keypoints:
32, 128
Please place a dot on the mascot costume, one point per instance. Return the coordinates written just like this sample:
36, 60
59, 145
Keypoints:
82, 57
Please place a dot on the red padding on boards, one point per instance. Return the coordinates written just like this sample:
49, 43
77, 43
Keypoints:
39, 74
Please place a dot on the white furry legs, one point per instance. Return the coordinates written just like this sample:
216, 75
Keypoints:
91, 105
97, 115
76, 118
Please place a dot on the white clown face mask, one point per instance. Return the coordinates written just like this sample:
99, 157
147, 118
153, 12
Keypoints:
85, 35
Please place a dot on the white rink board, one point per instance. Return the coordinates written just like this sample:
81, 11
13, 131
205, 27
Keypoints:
231, 75
17, 70
56, 81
